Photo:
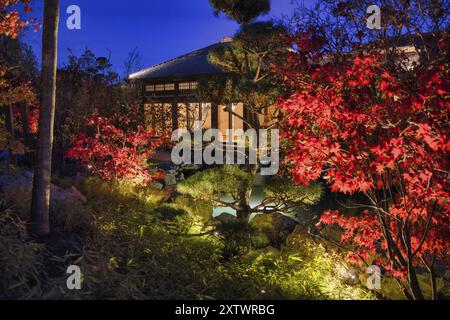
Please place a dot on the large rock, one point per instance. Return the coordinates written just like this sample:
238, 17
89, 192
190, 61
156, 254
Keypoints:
277, 227
283, 224
72, 195
23, 182
225, 218
16, 181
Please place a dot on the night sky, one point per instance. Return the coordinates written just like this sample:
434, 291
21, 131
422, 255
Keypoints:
160, 29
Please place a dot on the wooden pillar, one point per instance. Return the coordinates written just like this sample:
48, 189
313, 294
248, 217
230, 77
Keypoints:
200, 112
175, 108
152, 110
174, 115
230, 121
188, 115
214, 116
230, 116
246, 118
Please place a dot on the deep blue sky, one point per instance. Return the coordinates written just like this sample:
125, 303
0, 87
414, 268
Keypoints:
160, 29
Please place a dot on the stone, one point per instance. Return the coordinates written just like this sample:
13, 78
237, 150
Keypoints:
23, 182
225, 218
170, 179
283, 224
159, 186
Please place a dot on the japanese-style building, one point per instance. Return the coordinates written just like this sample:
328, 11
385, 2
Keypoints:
170, 100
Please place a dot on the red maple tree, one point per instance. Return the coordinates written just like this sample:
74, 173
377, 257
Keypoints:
382, 132
115, 149
11, 21
16, 89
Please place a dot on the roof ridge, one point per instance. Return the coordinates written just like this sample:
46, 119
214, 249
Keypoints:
143, 71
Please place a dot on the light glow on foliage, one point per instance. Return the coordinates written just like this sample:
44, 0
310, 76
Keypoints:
116, 150
11, 22
380, 132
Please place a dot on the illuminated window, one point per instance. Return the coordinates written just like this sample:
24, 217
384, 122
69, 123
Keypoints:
169, 86
161, 87
184, 86
188, 85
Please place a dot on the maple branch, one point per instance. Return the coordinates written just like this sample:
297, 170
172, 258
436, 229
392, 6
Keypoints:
427, 229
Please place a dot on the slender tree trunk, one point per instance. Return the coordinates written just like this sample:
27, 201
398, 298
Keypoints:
12, 133
10, 121
25, 125
40, 205
434, 294
26, 133
414, 284
416, 290
244, 212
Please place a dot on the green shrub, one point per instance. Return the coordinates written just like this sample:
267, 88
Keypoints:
174, 218
70, 217
208, 184
237, 237
21, 261
130, 250
19, 201
199, 208
136, 250
325, 268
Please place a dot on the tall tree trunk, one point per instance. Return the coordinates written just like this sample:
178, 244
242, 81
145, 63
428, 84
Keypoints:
40, 205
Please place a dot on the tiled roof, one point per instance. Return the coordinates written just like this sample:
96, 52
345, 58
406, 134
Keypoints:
194, 63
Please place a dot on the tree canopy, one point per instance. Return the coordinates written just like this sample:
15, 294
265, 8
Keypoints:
256, 48
242, 11
371, 125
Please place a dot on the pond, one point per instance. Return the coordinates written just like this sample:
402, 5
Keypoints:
255, 200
